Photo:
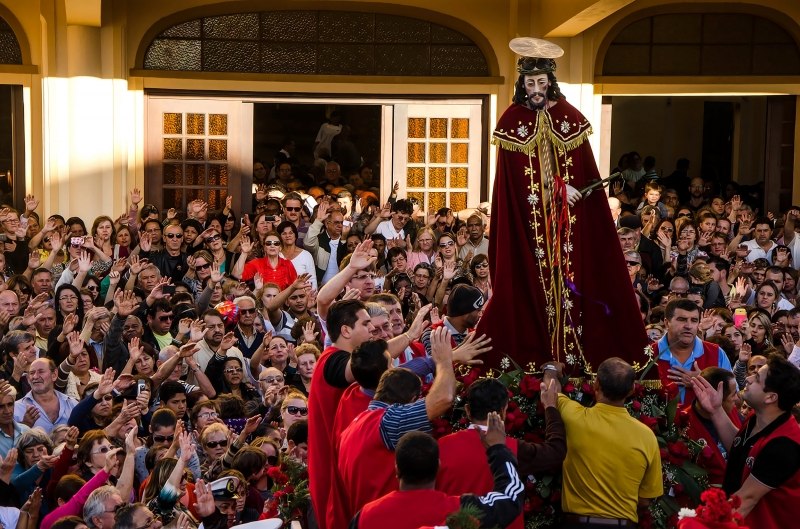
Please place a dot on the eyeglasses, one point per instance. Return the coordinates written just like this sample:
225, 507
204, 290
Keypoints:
364, 276
203, 266
633, 263
232, 370
174, 236
482, 265
272, 243
271, 380
208, 415
163, 438
297, 410
247, 311
102, 450
68, 298
667, 230
213, 238
166, 317
213, 444
447, 244
291, 208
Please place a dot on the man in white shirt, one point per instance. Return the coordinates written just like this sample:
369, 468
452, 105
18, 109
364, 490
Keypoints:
761, 245
391, 221
52, 408
477, 243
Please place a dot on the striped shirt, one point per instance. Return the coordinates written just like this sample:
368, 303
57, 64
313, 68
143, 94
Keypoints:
400, 419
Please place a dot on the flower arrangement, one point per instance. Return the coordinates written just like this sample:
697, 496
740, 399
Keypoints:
290, 495
684, 479
717, 512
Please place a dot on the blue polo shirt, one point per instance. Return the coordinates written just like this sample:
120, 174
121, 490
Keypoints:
666, 355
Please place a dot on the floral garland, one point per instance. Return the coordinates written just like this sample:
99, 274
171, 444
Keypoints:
684, 479
290, 496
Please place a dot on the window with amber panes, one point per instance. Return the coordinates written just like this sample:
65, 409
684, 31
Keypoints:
194, 159
438, 162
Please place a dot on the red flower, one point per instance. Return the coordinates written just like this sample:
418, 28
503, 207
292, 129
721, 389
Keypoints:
441, 427
569, 387
638, 390
587, 388
679, 450
707, 452
470, 377
650, 422
682, 419
529, 386
636, 406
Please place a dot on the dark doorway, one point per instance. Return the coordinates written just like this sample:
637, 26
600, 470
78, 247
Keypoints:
717, 154
274, 122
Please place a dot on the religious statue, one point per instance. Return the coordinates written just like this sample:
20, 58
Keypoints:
561, 290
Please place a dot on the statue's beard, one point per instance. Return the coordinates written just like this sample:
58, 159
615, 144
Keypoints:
541, 104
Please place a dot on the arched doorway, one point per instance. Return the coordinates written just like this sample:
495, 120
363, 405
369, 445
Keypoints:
735, 65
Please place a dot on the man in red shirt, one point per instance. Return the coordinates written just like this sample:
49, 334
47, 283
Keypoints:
486, 396
764, 455
417, 504
348, 326
366, 452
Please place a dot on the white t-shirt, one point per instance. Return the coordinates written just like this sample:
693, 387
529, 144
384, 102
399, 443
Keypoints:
756, 252
327, 132
794, 247
304, 264
333, 266
386, 228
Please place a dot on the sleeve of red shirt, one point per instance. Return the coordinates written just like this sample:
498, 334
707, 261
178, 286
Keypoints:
249, 270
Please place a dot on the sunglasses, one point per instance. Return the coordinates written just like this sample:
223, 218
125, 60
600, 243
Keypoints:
92, 288
633, 263
166, 317
174, 236
203, 266
446, 244
208, 415
247, 311
46, 239
291, 208
297, 410
214, 238
272, 243
482, 265
163, 438
214, 444
271, 380
107, 398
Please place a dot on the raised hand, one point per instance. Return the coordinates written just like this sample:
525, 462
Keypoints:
84, 262
197, 331
245, 245
137, 264
420, 323
35, 260
204, 505
145, 242
228, 341
72, 437
111, 465
745, 352
187, 447
386, 211
301, 282
125, 302
70, 321
47, 462
351, 293
449, 270
323, 210
75, 346
188, 350
258, 281
707, 320
106, 384
495, 432
251, 425
136, 196
309, 334
216, 273
7, 465
710, 399
172, 213
113, 278
135, 349
471, 347
31, 203
184, 326
360, 259
787, 342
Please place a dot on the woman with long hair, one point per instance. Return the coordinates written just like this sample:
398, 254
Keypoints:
759, 332
124, 242
479, 268
228, 376
767, 296
104, 234
301, 259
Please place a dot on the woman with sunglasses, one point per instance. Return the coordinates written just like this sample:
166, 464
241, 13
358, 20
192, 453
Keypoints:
228, 376
21, 285
301, 259
214, 442
272, 450
91, 453
293, 408
479, 267
272, 267
199, 274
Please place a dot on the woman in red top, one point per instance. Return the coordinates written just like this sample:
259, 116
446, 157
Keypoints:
272, 267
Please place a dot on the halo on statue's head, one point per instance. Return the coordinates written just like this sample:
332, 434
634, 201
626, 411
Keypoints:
535, 48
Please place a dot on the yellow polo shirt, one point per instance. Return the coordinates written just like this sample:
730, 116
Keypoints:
612, 461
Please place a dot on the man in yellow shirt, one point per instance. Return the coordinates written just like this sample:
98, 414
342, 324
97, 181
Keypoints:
612, 462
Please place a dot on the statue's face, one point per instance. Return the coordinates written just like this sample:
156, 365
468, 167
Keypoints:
536, 87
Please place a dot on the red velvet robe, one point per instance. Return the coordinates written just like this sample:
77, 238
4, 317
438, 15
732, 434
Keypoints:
560, 288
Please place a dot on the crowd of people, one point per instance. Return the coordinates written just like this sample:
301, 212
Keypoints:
156, 366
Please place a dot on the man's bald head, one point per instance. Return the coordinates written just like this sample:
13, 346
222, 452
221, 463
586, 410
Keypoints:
9, 302
615, 377
679, 285
615, 206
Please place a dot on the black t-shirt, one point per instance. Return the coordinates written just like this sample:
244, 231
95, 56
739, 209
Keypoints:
335, 371
775, 463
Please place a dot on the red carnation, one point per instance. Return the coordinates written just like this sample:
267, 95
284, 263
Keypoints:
569, 387
529, 386
638, 390
650, 422
636, 406
707, 452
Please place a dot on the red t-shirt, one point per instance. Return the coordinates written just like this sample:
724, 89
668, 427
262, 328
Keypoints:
283, 275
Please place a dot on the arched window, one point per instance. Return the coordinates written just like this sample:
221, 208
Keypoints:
10, 52
690, 44
316, 42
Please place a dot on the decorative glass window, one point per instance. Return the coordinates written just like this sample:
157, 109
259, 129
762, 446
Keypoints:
10, 52
316, 42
